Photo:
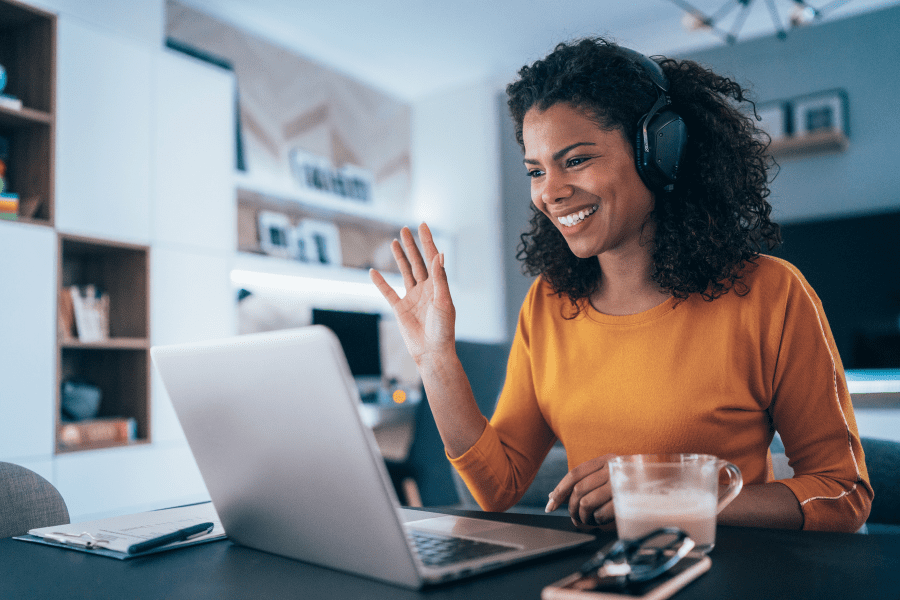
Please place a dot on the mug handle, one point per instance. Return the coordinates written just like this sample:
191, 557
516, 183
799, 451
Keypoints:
735, 483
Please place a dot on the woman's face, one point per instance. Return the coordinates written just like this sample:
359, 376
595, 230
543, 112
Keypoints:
585, 180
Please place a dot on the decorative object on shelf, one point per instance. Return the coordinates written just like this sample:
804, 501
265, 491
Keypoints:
4, 158
321, 241
80, 400
275, 234
820, 113
106, 431
6, 100
805, 125
9, 206
91, 309
802, 13
774, 119
317, 173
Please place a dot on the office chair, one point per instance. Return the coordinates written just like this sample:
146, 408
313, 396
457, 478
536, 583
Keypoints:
28, 501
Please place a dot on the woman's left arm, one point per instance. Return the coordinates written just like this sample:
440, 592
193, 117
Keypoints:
812, 410
764, 505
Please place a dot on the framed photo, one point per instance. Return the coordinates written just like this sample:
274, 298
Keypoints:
816, 113
774, 119
318, 242
276, 234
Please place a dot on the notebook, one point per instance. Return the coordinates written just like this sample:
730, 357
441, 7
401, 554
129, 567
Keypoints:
273, 422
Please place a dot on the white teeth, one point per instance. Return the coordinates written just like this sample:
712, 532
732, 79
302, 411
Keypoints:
574, 218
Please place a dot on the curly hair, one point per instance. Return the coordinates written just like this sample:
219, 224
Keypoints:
713, 221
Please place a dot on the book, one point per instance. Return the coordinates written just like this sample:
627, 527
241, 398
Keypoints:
9, 204
7, 101
66, 324
97, 432
91, 310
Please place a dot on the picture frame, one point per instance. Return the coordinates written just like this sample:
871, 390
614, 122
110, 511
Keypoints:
774, 119
318, 242
820, 112
276, 234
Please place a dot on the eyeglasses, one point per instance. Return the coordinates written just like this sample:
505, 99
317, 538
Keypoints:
632, 561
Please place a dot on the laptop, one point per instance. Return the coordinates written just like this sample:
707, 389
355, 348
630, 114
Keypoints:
273, 422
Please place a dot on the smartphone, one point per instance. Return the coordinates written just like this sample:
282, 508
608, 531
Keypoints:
583, 587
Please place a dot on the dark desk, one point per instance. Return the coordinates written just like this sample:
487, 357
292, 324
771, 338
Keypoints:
747, 563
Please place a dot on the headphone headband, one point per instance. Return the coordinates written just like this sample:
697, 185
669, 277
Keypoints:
662, 135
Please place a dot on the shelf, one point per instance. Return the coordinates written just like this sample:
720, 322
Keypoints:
110, 344
364, 239
24, 117
118, 366
806, 145
28, 52
313, 201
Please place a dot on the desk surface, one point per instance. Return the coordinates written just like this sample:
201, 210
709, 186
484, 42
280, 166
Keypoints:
747, 563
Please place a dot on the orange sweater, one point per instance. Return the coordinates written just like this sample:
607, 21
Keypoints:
709, 377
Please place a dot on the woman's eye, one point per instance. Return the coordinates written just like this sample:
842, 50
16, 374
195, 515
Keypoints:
535, 173
574, 162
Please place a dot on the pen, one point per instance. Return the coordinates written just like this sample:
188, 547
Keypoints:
176, 536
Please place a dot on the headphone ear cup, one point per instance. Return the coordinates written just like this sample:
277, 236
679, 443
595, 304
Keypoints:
667, 137
640, 157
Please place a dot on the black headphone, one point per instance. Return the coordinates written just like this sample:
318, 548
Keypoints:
661, 133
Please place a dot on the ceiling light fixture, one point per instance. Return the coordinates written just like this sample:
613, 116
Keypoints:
802, 13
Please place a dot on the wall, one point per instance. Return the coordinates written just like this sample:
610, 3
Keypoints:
456, 189
859, 54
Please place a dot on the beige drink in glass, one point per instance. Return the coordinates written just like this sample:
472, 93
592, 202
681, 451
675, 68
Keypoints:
671, 490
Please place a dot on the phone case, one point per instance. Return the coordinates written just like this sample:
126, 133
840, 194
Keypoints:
689, 569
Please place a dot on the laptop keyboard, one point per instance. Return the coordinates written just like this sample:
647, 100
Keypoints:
437, 550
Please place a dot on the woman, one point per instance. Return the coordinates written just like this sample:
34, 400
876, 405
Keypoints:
655, 324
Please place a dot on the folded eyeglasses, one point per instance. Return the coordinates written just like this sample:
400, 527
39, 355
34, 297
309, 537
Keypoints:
623, 562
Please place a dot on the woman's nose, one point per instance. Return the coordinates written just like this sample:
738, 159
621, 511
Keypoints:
555, 188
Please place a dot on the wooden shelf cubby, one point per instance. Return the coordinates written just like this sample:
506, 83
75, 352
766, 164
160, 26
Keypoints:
28, 53
119, 365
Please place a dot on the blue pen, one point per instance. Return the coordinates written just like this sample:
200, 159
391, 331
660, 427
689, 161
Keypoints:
176, 536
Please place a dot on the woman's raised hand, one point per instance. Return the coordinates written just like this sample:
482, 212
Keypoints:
426, 315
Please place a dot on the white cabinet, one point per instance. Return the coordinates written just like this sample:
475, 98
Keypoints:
104, 121
191, 299
117, 481
28, 259
194, 154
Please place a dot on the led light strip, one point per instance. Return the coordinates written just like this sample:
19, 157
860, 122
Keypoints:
310, 285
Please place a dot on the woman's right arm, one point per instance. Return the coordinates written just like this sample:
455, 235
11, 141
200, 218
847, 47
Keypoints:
427, 320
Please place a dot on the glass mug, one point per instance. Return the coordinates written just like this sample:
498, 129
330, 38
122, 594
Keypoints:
671, 490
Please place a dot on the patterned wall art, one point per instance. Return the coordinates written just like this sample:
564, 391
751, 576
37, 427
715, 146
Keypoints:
292, 107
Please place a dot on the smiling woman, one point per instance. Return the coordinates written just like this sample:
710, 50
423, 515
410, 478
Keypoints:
654, 325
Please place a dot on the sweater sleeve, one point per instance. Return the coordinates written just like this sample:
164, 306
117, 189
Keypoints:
812, 411
504, 461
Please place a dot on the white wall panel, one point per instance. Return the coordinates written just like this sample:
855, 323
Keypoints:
142, 20
103, 150
194, 154
192, 299
28, 259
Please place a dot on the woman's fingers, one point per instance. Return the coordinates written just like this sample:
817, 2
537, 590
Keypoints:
588, 491
419, 271
427, 240
384, 287
409, 281
441, 285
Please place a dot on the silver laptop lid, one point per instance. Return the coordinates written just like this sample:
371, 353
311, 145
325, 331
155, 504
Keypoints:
273, 423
